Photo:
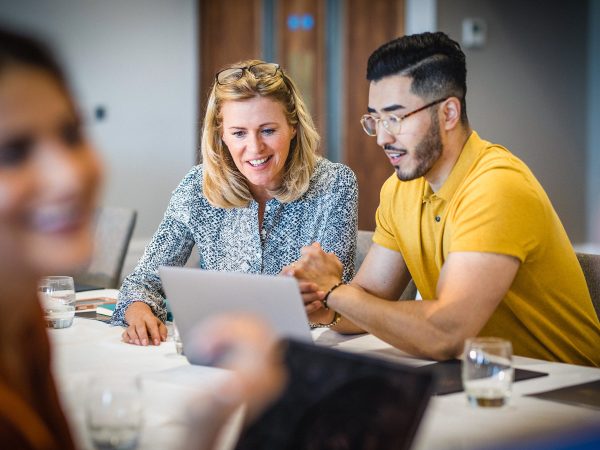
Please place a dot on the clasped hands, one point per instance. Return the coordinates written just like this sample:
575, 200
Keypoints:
316, 271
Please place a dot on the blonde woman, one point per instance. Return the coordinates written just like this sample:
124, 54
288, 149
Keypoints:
260, 195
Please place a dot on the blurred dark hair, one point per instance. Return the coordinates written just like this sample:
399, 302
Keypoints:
435, 63
18, 49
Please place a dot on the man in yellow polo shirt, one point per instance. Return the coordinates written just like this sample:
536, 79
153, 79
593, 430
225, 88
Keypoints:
465, 218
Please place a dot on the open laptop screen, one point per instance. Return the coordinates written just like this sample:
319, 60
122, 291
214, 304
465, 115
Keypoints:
196, 294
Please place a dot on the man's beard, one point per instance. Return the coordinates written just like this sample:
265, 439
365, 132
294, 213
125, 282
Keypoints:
426, 153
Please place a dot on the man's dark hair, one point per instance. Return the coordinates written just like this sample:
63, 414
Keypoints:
20, 50
435, 63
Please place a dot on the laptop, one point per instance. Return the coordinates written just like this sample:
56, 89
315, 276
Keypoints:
334, 399
195, 294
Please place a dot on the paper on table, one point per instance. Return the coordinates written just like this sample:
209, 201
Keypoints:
109, 293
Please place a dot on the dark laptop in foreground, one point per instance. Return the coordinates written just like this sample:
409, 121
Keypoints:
339, 400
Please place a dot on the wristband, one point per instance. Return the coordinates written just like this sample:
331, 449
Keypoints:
329, 292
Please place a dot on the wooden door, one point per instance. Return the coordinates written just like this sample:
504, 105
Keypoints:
369, 24
300, 50
229, 31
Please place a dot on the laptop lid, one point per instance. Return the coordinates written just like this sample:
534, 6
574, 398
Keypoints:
195, 294
339, 400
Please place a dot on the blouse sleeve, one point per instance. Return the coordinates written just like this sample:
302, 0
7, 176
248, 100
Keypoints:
171, 245
338, 233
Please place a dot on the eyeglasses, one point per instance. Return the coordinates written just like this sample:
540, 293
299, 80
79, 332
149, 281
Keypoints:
259, 71
392, 124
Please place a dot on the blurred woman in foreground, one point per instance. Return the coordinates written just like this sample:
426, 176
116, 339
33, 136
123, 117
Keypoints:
49, 177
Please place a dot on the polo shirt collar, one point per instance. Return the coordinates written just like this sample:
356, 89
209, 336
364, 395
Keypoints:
467, 156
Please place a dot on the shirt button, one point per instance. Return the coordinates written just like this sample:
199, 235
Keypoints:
267, 208
263, 233
245, 266
438, 218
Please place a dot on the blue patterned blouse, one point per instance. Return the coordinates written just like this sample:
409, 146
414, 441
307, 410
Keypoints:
229, 239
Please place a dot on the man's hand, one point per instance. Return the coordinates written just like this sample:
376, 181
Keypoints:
316, 272
315, 265
144, 327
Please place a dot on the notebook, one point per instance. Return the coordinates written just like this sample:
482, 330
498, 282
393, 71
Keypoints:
96, 304
335, 399
195, 294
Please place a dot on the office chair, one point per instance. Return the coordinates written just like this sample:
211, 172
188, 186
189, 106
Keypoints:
590, 264
114, 227
363, 243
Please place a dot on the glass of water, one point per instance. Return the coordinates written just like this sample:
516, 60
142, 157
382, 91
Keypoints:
57, 295
177, 339
114, 412
487, 371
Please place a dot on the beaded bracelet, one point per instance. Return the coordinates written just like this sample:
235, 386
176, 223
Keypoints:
336, 319
329, 292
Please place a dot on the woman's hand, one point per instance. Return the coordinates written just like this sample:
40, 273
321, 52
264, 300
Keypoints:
144, 327
321, 315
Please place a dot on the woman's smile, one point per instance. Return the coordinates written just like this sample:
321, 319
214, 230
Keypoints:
258, 137
259, 163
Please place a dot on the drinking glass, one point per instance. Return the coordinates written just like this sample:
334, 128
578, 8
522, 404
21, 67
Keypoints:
57, 295
487, 371
177, 339
113, 412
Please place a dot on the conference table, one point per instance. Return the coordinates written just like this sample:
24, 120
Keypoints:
90, 347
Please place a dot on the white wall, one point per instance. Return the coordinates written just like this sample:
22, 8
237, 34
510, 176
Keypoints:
579, 204
420, 16
527, 90
138, 59
593, 123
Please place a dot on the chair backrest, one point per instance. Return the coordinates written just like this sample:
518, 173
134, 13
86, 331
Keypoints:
590, 264
363, 243
114, 227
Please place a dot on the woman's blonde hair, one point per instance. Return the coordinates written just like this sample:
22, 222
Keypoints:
223, 184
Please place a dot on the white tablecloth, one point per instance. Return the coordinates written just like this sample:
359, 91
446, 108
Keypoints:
90, 347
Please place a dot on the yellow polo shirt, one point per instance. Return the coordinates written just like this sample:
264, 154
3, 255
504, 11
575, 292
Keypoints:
491, 202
